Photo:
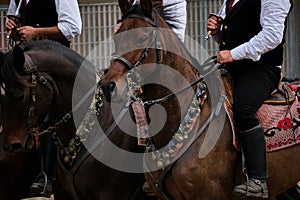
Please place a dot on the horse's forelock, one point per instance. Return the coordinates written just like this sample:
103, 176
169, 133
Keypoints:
133, 10
8, 71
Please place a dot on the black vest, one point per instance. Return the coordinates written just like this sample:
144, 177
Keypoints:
40, 13
241, 25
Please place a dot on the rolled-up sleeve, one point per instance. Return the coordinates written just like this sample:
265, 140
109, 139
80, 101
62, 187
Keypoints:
69, 19
176, 16
273, 16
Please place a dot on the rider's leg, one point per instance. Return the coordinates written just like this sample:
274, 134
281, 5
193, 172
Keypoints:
48, 162
253, 144
252, 86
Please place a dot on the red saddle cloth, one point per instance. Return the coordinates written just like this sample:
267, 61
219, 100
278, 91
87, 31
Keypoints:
281, 123
279, 116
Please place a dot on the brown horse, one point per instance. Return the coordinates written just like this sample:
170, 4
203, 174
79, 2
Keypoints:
37, 81
118, 176
210, 173
28, 95
17, 172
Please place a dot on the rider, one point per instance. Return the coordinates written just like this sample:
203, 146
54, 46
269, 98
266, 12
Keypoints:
250, 34
57, 20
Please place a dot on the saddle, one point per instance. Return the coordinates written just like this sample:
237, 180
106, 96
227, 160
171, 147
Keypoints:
283, 95
279, 115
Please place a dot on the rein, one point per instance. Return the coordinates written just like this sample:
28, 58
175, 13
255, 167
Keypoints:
31, 68
133, 80
75, 143
200, 79
134, 87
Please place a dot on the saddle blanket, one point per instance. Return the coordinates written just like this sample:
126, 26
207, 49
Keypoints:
281, 123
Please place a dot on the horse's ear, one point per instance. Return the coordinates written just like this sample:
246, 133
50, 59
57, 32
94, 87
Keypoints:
19, 57
146, 6
124, 5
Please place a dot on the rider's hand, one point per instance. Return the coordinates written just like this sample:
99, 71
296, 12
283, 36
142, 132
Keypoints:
28, 33
213, 24
224, 57
10, 24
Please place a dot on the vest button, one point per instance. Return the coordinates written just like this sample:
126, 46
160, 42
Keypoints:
224, 43
225, 27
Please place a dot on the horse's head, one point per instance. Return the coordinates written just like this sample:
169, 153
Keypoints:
36, 91
23, 103
138, 41
150, 64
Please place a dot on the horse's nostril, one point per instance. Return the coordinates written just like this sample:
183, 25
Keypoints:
15, 147
111, 86
109, 89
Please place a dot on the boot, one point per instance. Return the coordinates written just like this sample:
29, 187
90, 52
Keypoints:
254, 147
43, 183
41, 187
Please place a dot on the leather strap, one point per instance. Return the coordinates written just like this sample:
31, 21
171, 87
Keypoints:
158, 6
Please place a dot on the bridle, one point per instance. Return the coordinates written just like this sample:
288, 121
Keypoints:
36, 78
134, 86
154, 41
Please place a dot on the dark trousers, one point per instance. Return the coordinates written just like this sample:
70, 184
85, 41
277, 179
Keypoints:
48, 155
253, 84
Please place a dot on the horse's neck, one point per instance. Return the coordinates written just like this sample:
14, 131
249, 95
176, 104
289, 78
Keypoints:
182, 66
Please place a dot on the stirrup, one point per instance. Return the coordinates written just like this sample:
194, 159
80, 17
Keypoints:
252, 188
46, 192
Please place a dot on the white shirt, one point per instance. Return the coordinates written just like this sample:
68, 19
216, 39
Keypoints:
272, 18
175, 16
69, 20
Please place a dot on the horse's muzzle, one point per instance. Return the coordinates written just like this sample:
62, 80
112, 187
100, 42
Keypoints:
15, 147
109, 90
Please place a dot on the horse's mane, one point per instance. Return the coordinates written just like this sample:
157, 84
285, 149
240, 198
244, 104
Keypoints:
135, 9
55, 47
8, 73
10, 63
